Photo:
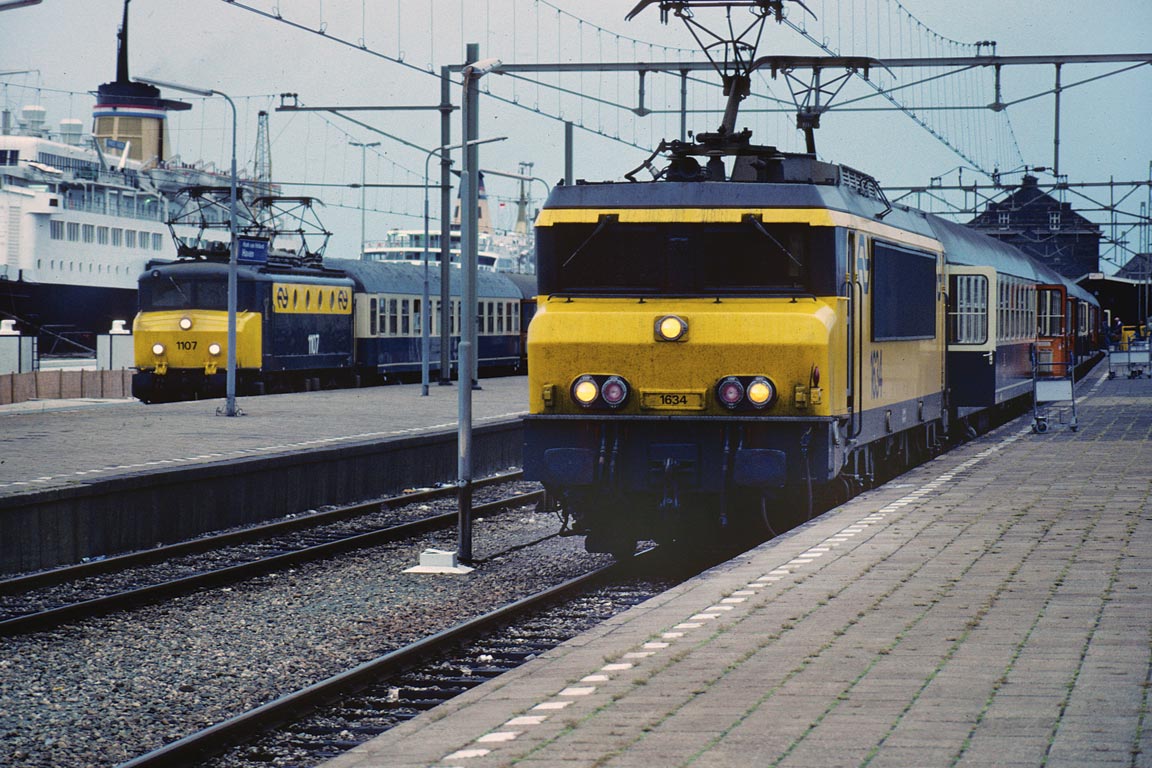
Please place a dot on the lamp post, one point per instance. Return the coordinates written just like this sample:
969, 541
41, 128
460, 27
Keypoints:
469, 178
363, 187
425, 314
230, 378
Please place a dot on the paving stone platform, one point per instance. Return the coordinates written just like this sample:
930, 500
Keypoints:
990, 608
51, 443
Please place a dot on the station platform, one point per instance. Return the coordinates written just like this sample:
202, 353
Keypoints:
52, 443
992, 607
88, 479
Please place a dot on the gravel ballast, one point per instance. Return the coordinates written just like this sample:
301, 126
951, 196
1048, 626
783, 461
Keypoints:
106, 690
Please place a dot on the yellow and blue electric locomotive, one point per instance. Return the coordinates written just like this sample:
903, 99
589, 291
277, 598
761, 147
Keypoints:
706, 346
302, 321
751, 325
341, 323
701, 345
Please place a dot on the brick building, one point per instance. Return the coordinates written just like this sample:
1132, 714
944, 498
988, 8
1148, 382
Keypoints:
1044, 228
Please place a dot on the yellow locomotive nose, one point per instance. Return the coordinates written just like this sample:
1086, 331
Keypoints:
730, 358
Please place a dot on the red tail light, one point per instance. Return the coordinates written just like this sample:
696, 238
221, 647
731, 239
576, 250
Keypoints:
731, 392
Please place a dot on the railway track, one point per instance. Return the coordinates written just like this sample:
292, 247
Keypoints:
224, 558
330, 717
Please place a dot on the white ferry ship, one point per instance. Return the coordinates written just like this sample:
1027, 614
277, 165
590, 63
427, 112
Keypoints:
408, 245
496, 252
81, 215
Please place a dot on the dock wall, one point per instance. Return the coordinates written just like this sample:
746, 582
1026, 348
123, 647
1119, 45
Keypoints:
61, 384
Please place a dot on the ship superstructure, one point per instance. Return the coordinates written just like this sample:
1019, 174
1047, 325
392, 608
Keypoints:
80, 215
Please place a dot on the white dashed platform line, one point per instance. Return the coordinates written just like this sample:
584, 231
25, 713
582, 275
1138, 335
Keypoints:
726, 605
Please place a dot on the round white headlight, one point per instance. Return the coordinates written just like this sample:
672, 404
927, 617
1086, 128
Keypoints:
185, 323
671, 328
760, 391
157, 349
214, 349
585, 391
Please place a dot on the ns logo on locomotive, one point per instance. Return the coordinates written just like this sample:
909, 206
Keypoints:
714, 346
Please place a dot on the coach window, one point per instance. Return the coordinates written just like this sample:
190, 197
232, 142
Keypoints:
405, 314
968, 321
392, 322
1051, 312
372, 317
416, 316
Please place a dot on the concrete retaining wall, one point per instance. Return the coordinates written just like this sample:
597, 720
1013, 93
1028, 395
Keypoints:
55, 527
57, 384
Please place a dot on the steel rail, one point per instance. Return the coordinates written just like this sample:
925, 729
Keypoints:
19, 584
133, 598
213, 740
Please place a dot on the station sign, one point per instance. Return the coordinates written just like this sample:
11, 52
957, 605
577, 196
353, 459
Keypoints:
251, 250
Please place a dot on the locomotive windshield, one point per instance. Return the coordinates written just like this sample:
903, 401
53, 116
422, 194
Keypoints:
167, 292
609, 257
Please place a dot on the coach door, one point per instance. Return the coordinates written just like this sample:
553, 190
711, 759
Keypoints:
1053, 318
972, 336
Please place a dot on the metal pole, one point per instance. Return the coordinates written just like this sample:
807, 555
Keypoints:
469, 193
425, 314
425, 332
683, 105
568, 178
1056, 129
445, 230
364, 190
230, 377
467, 315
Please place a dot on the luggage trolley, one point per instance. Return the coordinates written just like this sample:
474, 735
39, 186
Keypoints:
1131, 355
1053, 389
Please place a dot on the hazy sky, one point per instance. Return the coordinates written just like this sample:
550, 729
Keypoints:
214, 44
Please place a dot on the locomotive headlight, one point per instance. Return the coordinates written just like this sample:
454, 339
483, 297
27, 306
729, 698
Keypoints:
614, 391
214, 349
157, 349
760, 391
185, 323
730, 392
671, 328
585, 391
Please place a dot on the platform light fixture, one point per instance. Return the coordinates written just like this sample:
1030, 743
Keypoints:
230, 377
